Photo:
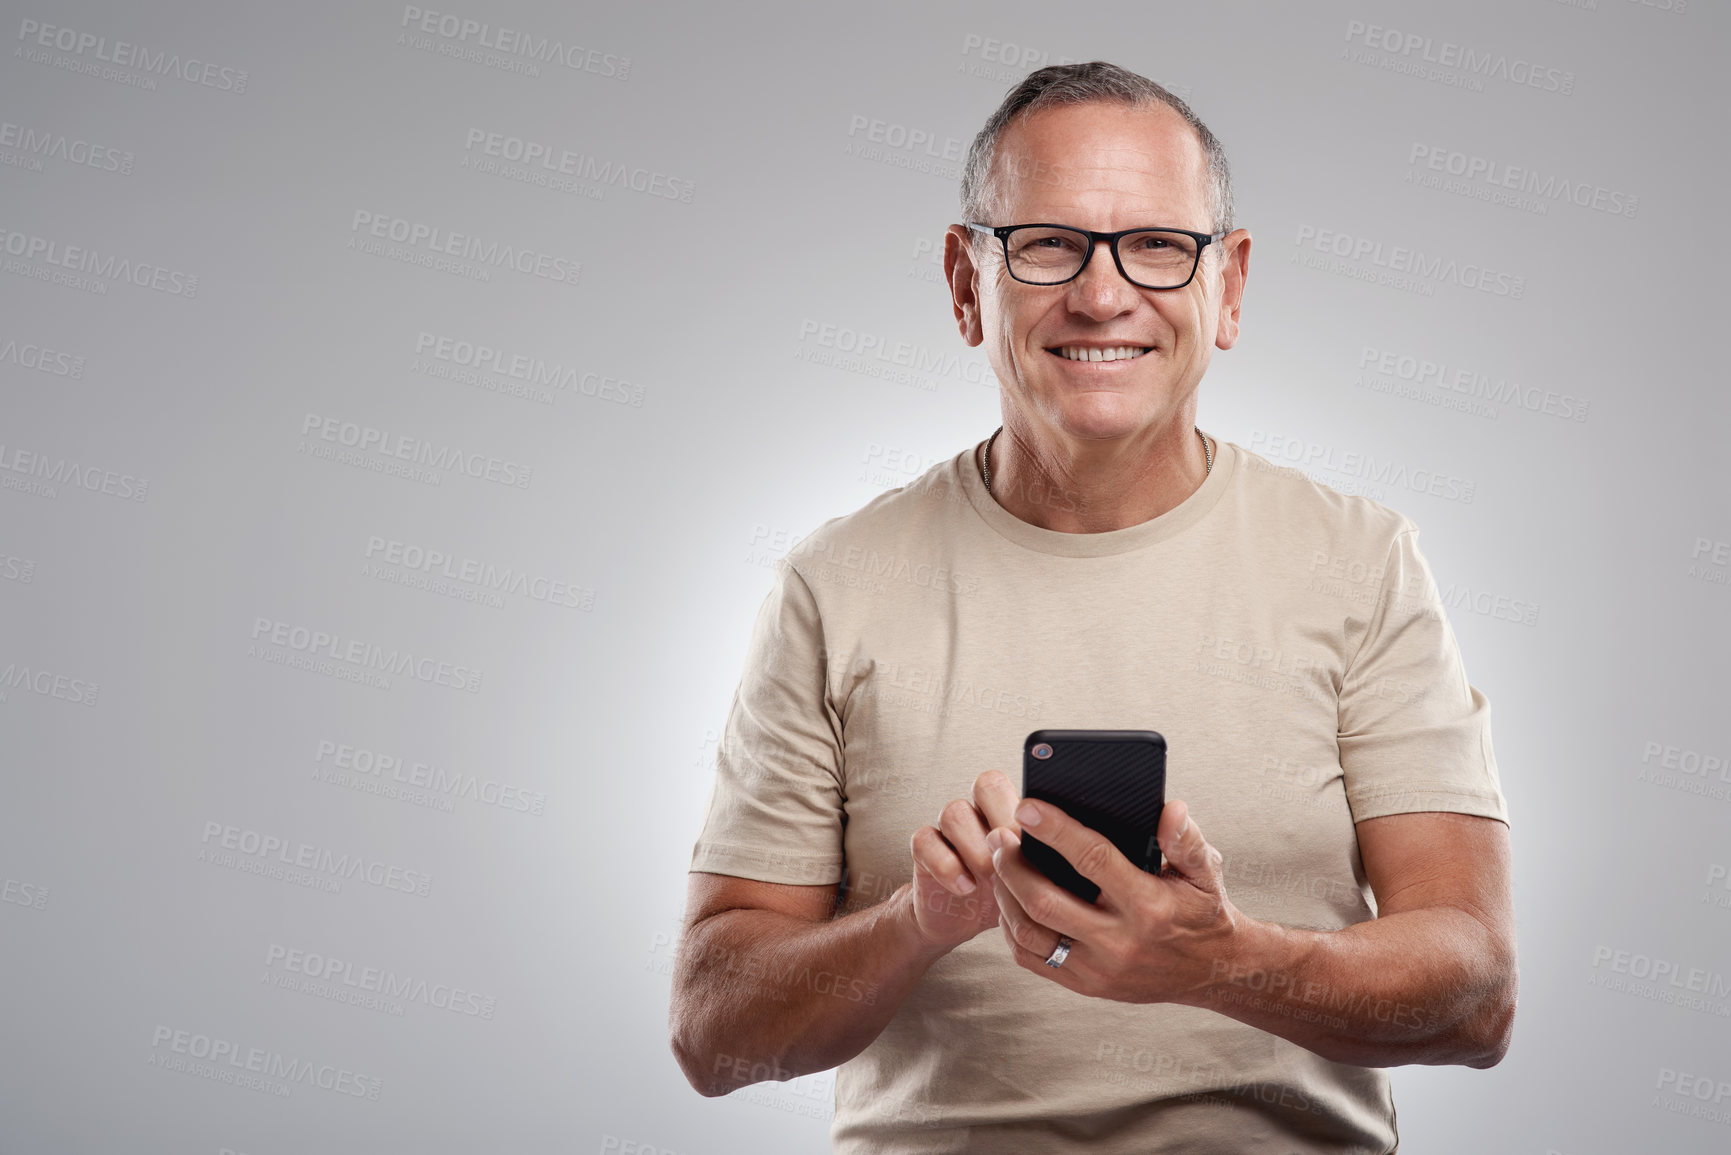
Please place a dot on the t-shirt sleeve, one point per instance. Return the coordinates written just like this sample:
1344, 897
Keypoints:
775, 809
1414, 735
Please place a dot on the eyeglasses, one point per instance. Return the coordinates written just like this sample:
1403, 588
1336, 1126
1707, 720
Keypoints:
1055, 254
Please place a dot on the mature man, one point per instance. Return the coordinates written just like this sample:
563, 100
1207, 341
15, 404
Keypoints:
1101, 563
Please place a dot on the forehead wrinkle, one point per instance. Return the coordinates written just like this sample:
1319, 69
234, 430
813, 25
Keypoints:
1108, 194
1158, 187
1157, 167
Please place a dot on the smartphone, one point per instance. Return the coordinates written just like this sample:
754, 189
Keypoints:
1111, 780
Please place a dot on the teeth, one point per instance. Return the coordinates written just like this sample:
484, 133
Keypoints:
1121, 353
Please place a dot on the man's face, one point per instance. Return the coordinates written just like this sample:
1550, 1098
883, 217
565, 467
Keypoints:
1103, 167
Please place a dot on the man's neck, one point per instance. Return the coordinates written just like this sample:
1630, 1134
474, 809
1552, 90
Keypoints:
1095, 489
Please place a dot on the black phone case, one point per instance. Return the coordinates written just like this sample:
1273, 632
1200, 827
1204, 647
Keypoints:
1111, 780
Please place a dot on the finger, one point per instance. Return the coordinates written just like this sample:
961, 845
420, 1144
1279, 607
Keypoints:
1187, 852
1010, 912
1018, 928
1089, 851
966, 831
995, 796
1065, 975
1046, 909
938, 859
1030, 944
1021, 931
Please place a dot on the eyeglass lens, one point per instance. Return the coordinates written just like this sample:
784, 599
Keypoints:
1047, 255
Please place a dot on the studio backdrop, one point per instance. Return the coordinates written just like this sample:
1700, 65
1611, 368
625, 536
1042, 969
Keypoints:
401, 408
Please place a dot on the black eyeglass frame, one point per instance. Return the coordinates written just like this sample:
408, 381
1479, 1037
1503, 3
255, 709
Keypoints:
1002, 232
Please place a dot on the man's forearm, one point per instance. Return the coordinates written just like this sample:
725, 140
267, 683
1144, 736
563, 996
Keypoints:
1421, 986
762, 995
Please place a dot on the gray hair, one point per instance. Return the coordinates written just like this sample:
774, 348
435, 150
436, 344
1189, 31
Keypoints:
1093, 82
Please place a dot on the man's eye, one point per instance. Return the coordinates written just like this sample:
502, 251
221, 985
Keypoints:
1156, 243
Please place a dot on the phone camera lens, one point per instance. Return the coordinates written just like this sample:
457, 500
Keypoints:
1042, 751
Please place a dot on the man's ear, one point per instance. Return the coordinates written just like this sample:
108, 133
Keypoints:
1235, 251
962, 275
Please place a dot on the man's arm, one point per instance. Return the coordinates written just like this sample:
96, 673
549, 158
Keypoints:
1430, 980
768, 986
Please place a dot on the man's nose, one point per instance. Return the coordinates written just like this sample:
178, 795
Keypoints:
1099, 290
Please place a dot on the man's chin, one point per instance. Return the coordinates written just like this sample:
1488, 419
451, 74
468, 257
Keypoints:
1103, 414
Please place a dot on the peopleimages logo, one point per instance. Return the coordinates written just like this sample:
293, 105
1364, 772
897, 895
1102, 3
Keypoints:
1710, 561
1309, 455
25, 894
1450, 57
99, 268
435, 563
352, 435
559, 161
1691, 1093
1661, 980
901, 146
1497, 178
231, 846
527, 47
47, 472
540, 378
363, 656
869, 348
54, 362
34, 35
1413, 263
47, 683
433, 241
226, 1061
38, 143
1471, 383
360, 762
319, 968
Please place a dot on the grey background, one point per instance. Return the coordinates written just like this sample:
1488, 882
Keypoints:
696, 436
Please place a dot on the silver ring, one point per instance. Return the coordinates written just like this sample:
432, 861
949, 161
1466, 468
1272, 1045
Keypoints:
1059, 953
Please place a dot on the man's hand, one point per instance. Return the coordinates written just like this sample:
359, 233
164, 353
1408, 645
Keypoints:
953, 896
1431, 979
1147, 938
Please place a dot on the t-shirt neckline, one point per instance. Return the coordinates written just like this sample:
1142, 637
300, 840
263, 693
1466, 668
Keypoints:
1060, 544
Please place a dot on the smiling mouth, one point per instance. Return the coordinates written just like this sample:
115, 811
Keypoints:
1084, 353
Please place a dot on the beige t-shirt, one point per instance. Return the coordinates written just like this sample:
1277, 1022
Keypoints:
1286, 639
